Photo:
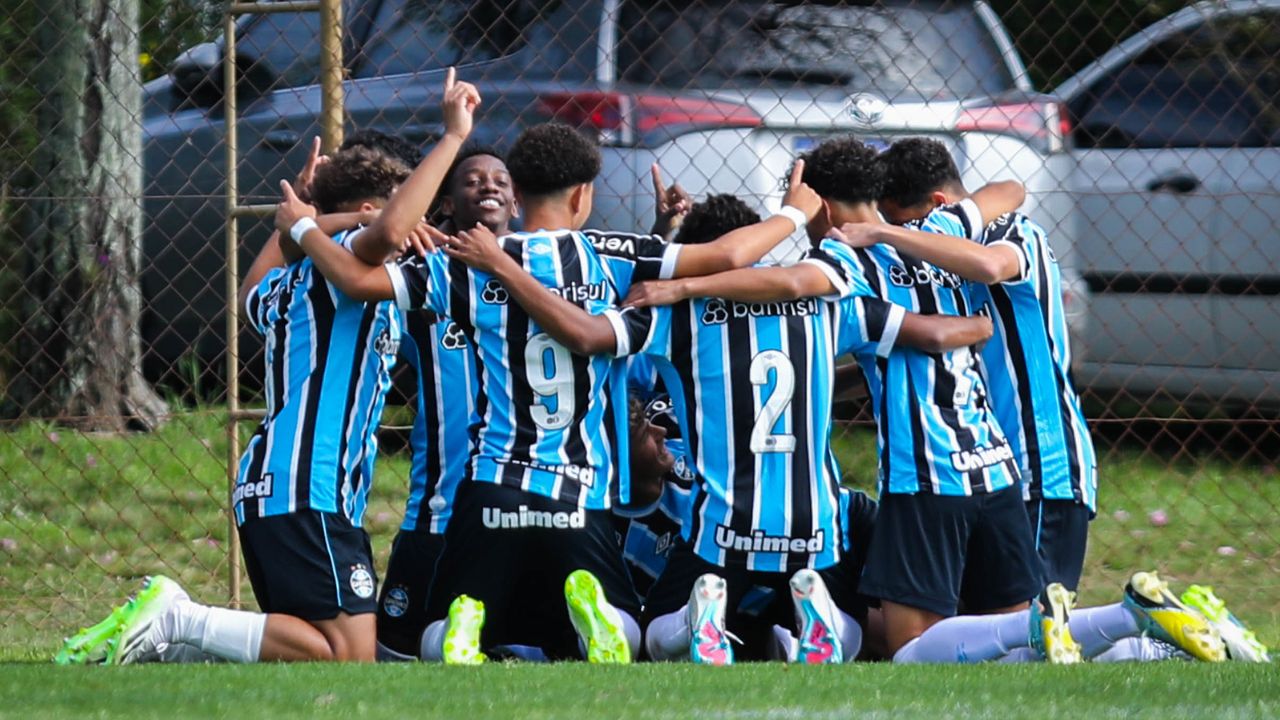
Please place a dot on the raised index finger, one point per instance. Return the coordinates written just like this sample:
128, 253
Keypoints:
450, 78
656, 173
797, 172
287, 189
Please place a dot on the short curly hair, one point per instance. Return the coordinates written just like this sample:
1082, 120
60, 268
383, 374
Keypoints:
914, 168
713, 217
844, 169
355, 174
468, 152
393, 145
552, 157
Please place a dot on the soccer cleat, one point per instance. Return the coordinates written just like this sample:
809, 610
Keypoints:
92, 644
1050, 630
1162, 616
462, 632
1242, 645
816, 618
141, 638
708, 639
598, 624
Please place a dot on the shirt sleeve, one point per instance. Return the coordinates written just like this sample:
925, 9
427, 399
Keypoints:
634, 257
842, 267
1007, 230
641, 330
421, 282
869, 326
262, 299
962, 219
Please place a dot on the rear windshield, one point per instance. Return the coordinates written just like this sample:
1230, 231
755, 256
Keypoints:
914, 50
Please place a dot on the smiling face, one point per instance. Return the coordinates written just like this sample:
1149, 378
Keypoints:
481, 192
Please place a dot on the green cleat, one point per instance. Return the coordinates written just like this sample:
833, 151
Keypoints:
1050, 629
92, 644
462, 633
1242, 644
1162, 616
598, 624
137, 640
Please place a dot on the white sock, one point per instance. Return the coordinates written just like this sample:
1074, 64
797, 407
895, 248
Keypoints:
1098, 628
184, 653
233, 635
1139, 649
783, 646
432, 648
850, 633
386, 654
1022, 655
969, 639
667, 637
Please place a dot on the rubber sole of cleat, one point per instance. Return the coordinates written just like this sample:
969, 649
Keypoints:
708, 641
602, 635
462, 635
1060, 647
1242, 645
1203, 642
86, 645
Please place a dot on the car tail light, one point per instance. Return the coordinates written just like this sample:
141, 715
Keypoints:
1046, 125
625, 119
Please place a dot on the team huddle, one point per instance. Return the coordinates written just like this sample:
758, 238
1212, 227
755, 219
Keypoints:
622, 441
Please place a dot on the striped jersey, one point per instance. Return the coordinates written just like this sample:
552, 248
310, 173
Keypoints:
935, 432
1027, 366
445, 369
752, 387
648, 538
328, 369
548, 418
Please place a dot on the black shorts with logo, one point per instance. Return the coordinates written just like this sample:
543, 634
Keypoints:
402, 604
513, 550
309, 564
930, 551
1061, 530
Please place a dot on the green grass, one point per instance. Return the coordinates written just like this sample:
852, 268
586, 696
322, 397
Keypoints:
1165, 690
84, 517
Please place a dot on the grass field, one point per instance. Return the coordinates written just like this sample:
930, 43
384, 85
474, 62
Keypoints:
83, 517
1167, 691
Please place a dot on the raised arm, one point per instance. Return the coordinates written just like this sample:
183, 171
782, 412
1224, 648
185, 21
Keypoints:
356, 278
765, 284
746, 245
987, 264
571, 326
384, 239
938, 333
997, 198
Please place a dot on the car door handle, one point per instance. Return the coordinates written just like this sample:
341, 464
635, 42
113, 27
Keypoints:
281, 139
1174, 182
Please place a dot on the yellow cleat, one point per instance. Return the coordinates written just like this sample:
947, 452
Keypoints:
1050, 629
598, 624
1163, 616
462, 634
1242, 644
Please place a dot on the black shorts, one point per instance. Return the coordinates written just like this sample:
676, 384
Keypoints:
756, 600
309, 564
928, 551
1061, 530
513, 550
402, 604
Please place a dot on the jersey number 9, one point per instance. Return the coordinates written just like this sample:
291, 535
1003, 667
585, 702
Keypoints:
550, 379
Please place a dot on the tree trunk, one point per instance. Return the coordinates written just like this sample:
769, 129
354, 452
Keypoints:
79, 352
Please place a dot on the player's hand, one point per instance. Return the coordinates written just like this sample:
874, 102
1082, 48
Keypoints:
460, 102
655, 292
671, 203
308, 174
477, 248
423, 239
985, 327
291, 209
799, 195
857, 235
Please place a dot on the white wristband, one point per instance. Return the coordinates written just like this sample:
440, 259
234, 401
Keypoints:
301, 227
794, 214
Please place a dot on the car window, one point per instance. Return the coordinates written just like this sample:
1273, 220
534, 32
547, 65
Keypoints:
1213, 86
912, 50
287, 44
416, 35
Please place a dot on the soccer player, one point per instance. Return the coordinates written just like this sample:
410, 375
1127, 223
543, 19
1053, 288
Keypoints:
304, 476
752, 387
478, 189
530, 529
1016, 281
947, 495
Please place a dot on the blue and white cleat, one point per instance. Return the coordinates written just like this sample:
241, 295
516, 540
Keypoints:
708, 638
1164, 617
816, 620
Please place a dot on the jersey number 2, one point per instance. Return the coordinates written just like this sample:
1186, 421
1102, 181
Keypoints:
558, 383
763, 439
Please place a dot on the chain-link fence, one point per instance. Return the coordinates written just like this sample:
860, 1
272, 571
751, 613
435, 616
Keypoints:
1147, 136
